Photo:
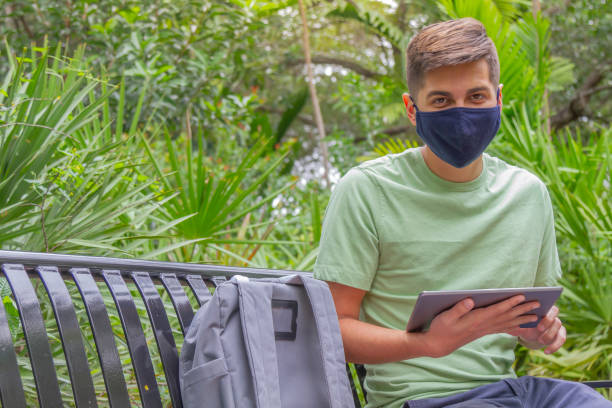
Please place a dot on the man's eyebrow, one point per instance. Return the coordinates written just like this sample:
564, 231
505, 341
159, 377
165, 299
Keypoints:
477, 89
448, 94
443, 93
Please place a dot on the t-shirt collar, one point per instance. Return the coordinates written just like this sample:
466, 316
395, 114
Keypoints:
424, 172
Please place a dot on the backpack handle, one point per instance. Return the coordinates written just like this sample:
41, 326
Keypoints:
258, 329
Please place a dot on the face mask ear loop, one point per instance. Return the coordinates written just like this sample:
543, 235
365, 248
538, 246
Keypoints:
497, 101
413, 102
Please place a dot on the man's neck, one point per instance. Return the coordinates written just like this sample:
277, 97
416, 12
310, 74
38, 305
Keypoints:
447, 172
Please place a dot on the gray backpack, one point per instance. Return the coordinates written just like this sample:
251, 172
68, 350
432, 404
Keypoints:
265, 343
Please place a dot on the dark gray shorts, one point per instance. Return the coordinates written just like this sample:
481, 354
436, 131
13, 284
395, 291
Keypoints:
523, 392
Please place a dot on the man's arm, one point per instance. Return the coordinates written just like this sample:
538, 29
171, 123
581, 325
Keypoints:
366, 343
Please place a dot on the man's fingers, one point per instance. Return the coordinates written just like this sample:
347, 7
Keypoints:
559, 341
516, 322
460, 309
525, 308
550, 335
512, 312
504, 305
548, 320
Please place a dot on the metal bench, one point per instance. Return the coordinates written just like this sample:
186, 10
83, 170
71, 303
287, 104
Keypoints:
145, 334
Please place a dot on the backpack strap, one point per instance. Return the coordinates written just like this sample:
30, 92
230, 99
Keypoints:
258, 330
330, 338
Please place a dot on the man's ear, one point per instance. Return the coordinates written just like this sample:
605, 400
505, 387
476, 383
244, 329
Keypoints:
410, 108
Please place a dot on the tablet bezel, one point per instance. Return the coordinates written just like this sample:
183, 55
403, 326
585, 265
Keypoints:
431, 303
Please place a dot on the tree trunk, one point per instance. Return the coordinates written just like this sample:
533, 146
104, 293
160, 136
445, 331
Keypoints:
535, 9
313, 96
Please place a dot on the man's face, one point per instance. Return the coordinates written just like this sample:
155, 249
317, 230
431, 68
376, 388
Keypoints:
465, 85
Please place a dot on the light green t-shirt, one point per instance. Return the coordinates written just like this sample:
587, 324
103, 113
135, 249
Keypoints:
394, 229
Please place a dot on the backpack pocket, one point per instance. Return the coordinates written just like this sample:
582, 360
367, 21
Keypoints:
208, 384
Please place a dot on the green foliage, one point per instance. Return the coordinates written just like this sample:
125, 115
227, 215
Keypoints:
183, 51
211, 196
65, 184
356, 384
373, 21
580, 32
391, 146
371, 107
576, 172
295, 103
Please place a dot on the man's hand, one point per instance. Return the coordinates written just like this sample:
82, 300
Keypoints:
549, 333
461, 324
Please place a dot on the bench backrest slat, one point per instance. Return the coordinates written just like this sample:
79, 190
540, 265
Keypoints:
184, 311
11, 388
162, 332
135, 339
35, 336
70, 333
199, 289
112, 371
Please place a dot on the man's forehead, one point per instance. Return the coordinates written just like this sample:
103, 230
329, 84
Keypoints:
462, 78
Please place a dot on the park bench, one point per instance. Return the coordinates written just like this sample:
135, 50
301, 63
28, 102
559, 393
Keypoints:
89, 274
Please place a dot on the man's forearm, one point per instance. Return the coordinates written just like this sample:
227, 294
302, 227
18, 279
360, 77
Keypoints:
366, 343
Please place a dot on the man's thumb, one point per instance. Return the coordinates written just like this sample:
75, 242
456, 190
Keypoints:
462, 307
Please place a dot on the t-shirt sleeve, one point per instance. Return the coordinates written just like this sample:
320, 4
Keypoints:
549, 268
348, 250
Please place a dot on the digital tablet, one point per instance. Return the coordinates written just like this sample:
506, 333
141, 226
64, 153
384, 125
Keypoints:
430, 303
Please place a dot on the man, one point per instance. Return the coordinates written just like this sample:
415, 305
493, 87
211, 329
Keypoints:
441, 217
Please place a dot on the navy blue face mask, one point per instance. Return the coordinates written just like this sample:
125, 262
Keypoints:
458, 135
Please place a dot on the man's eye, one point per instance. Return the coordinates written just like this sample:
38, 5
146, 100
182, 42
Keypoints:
439, 101
478, 97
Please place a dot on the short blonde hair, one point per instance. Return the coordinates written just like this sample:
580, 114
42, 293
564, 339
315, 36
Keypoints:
447, 43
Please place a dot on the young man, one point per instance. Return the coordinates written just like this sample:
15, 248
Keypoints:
441, 217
